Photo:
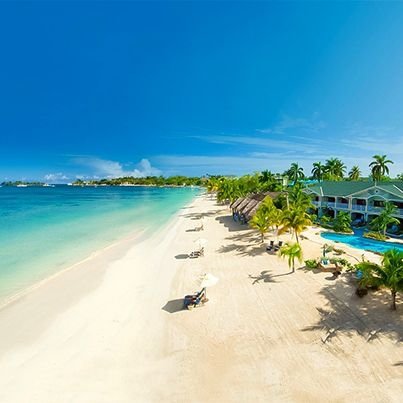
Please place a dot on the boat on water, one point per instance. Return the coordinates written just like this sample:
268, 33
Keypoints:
22, 185
47, 185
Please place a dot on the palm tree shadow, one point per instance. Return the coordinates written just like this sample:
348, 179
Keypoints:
398, 364
264, 276
368, 317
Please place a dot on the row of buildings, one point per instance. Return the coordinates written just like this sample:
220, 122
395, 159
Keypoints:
363, 200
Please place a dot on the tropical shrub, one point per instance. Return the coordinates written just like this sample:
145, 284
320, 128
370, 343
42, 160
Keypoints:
311, 264
342, 263
342, 222
374, 235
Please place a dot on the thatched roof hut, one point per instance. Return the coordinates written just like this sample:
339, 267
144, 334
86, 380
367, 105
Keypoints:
236, 203
248, 205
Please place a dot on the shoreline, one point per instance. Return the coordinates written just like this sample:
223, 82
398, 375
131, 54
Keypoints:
116, 330
93, 255
128, 240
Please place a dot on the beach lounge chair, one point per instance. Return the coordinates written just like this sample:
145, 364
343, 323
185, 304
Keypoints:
270, 246
197, 253
200, 228
278, 246
195, 300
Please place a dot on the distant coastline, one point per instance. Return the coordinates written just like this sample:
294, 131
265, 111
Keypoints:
149, 181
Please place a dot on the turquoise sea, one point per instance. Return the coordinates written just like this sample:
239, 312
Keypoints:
46, 229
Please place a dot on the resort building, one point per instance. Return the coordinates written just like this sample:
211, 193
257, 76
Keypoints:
364, 200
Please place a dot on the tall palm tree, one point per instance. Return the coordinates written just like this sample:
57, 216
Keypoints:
379, 167
292, 252
335, 169
296, 220
318, 171
354, 173
260, 221
388, 274
385, 218
295, 172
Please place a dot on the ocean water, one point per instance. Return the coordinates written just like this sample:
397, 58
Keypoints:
46, 229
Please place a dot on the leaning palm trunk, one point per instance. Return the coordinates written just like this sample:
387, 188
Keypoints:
393, 306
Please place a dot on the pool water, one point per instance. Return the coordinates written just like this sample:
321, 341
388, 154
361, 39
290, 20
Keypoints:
356, 240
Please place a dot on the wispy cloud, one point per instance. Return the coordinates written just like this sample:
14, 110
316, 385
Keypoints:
376, 139
114, 169
294, 133
288, 123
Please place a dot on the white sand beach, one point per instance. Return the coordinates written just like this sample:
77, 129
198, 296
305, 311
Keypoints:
112, 329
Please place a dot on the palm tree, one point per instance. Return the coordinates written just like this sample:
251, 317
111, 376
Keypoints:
291, 251
335, 169
355, 173
318, 171
272, 212
296, 220
388, 274
260, 221
266, 176
295, 172
379, 167
298, 199
385, 218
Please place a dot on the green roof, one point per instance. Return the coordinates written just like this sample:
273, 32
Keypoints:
347, 188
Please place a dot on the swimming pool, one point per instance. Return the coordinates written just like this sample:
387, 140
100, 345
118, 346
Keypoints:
356, 240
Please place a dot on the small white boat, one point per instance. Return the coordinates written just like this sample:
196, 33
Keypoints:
47, 185
22, 185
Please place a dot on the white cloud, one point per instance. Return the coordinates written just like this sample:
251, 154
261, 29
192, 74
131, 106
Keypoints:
56, 177
114, 169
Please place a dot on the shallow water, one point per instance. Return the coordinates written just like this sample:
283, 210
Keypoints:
44, 230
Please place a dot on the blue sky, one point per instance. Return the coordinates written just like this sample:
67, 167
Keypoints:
109, 89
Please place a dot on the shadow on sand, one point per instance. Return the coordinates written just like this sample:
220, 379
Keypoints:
173, 306
196, 229
368, 316
249, 245
182, 256
266, 276
229, 223
199, 216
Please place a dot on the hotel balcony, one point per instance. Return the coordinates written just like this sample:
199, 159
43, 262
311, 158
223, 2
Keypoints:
358, 207
343, 206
